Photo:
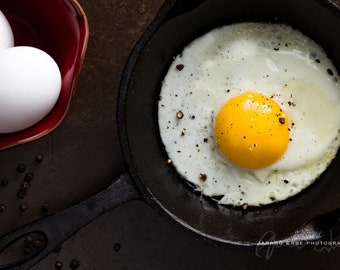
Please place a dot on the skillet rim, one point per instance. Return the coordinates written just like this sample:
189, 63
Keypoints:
146, 193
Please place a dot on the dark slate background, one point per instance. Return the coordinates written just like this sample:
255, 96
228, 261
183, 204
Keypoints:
82, 157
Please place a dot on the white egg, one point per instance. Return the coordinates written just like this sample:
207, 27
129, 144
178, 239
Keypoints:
30, 84
273, 60
6, 34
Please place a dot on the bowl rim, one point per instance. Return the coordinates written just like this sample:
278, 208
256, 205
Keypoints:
8, 140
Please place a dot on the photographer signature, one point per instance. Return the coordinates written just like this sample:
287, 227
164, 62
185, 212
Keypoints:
267, 244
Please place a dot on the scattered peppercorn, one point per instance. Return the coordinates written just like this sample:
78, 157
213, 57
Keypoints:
25, 185
2, 208
21, 194
74, 264
116, 247
179, 115
21, 168
330, 72
45, 207
29, 176
29, 239
202, 176
4, 182
58, 265
282, 120
180, 67
286, 181
37, 243
23, 206
39, 158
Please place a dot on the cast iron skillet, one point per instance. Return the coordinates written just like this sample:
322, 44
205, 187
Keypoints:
311, 215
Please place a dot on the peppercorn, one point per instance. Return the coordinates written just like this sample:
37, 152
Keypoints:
45, 207
23, 206
74, 264
25, 185
116, 247
179, 115
21, 168
58, 265
202, 177
4, 182
21, 194
29, 239
2, 208
39, 158
37, 243
29, 176
180, 67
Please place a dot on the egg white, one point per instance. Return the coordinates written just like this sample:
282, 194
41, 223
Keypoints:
275, 60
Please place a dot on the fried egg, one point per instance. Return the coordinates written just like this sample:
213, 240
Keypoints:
250, 113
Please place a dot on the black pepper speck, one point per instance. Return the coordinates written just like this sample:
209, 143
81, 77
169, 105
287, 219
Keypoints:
21, 168
45, 207
282, 120
21, 194
39, 158
330, 72
29, 239
58, 265
180, 67
202, 177
23, 207
29, 176
179, 115
2, 208
37, 243
74, 264
4, 182
25, 185
116, 247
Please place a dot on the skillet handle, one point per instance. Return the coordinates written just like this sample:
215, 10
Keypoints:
36, 240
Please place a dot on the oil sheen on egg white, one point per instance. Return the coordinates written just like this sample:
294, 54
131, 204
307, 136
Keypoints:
250, 113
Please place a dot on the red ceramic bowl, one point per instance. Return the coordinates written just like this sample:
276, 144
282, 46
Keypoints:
60, 28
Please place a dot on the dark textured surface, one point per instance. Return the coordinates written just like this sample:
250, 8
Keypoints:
82, 156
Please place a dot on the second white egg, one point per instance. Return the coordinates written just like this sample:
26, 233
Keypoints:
30, 84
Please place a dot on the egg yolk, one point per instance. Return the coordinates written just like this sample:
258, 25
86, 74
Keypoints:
252, 130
